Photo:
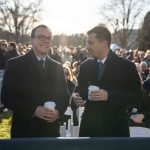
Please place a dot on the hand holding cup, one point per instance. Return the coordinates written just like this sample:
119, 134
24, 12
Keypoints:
50, 105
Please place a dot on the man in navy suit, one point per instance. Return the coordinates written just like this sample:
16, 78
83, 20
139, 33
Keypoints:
27, 86
119, 83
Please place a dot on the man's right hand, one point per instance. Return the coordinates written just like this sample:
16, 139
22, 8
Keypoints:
44, 113
78, 100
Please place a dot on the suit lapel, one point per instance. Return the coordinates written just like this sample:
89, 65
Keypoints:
93, 72
33, 65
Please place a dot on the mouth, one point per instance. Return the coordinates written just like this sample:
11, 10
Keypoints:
44, 47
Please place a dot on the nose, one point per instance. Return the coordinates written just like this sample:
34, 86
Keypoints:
46, 40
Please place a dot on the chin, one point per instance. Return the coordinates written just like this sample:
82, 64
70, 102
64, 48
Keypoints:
44, 51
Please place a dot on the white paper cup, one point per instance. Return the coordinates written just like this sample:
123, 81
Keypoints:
50, 105
92, 88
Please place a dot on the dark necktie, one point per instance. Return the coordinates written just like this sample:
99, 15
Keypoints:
101, 69
42, 65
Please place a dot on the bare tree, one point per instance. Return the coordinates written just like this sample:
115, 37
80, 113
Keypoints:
123, 16
18, 16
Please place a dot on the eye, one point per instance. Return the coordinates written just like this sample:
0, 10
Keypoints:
43, 38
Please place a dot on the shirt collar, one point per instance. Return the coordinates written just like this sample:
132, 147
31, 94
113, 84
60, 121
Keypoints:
103, 60
44, 58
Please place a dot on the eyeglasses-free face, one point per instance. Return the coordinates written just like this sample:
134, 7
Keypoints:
3, 46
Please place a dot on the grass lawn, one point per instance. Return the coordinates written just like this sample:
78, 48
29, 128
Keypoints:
5, 124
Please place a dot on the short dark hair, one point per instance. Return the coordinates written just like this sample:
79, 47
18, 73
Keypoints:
39, 26
102, 33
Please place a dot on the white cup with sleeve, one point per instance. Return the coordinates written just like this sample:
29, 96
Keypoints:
50, 105
92, 88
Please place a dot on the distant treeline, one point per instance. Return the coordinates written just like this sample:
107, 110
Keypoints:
64, 40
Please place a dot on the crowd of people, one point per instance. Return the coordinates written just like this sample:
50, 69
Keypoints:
124, 95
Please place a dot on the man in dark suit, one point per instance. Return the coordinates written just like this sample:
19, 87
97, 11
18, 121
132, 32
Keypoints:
27, 86
119, 83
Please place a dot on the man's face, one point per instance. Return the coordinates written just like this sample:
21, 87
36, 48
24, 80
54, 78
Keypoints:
144, 67
3, 46
10, 48
42, 40
94, 45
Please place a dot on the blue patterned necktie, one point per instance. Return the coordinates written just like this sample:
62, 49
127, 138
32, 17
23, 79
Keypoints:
101, 69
